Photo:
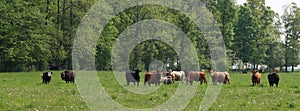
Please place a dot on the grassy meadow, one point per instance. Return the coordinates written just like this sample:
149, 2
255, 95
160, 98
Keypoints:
24, 91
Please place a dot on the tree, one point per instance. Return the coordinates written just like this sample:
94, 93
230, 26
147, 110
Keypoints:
245, 34
291, 20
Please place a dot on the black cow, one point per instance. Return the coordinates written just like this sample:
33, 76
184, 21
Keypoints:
46, 77
68, 76
133, 76
273, 79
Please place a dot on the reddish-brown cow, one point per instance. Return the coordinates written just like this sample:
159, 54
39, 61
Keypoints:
152, 77
255, 77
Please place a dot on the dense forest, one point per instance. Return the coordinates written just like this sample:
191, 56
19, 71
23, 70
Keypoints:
38, 34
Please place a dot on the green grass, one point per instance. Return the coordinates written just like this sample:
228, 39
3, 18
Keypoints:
24, 91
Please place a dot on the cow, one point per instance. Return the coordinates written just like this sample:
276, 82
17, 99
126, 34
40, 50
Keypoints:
63, 76
167, 80
256, 76
168, 74
219, 77
178, 75
68, 76
192, 76
133, 77
273, 78
152, 77
46, 77
202, 78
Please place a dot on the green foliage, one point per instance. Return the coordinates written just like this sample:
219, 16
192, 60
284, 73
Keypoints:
35, 35
245, 35
291, 20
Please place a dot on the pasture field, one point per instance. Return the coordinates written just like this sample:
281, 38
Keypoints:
24, 91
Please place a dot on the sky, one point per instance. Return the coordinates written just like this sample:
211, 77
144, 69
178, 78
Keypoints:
276, 5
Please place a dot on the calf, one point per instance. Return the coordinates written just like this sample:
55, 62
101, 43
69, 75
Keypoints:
46, 77
133, 77
167, 80
152, 77
255, 77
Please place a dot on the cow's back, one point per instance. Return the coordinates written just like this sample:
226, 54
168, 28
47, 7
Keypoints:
273, 77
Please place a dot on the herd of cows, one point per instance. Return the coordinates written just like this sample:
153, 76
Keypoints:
68, 76
157, 77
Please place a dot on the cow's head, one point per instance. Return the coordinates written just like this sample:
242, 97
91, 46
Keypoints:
49, 74
202, 71
254, 71
137, 71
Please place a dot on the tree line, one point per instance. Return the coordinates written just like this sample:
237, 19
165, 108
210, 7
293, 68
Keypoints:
38, 35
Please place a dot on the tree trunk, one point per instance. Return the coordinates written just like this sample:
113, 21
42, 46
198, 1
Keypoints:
47, 12
69, 54
57, 58
135, 52
63, 28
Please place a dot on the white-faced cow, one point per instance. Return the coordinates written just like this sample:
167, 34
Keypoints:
46, 77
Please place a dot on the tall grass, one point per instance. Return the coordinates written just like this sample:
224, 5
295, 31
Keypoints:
24, 91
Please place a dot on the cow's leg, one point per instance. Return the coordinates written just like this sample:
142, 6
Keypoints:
214, 82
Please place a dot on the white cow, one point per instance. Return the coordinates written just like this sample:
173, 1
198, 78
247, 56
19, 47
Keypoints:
178, 75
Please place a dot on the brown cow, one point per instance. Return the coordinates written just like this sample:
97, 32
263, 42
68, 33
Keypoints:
192, 76
202, 77
219, 77
255, 77
152, 77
